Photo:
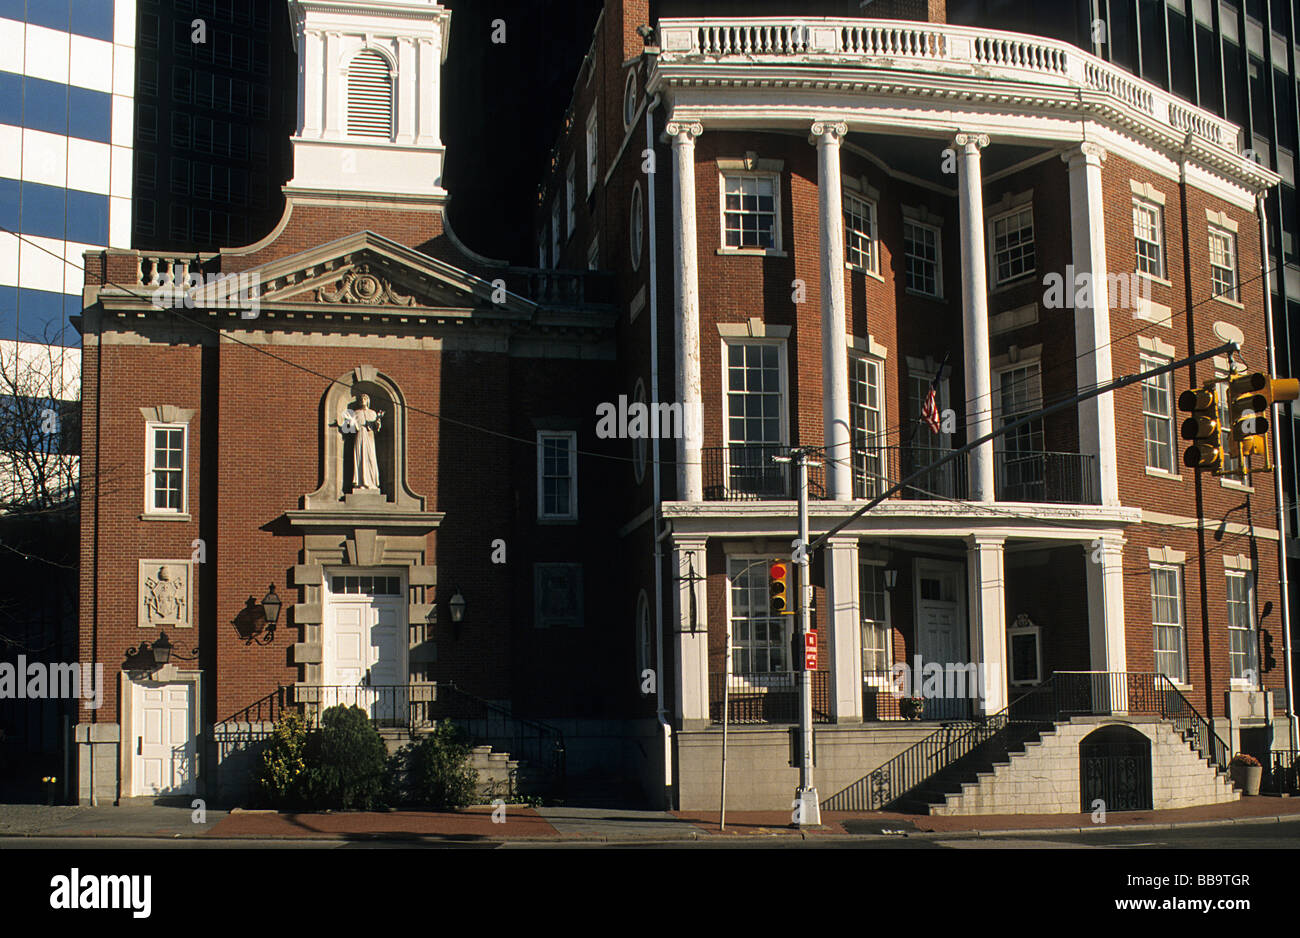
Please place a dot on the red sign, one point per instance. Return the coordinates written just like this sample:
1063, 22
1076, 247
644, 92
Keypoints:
810, 651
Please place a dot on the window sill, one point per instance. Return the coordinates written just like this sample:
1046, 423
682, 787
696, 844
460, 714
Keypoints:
1226, 301
165, 516
925, 296
1162, 474
854, 268
750, 252
573, 520
1238, 486
1154, 279
1009, 285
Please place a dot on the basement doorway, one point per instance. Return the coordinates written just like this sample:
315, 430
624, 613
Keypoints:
1115, 768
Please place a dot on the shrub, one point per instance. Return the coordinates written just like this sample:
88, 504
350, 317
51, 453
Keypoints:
280, 776
435, 771
1244, 758
346, 760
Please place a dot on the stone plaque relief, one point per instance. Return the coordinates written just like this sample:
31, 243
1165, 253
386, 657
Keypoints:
166, 597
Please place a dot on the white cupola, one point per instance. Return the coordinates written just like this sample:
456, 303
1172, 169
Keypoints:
369, 81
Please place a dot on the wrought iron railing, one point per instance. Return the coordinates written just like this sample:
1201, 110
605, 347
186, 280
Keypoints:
1281, 773
1063, 695
767, 697
744, 472
1050, 478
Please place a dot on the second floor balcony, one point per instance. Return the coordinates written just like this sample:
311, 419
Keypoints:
745, 472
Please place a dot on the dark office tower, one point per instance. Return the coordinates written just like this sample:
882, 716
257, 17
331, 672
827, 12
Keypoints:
214, 98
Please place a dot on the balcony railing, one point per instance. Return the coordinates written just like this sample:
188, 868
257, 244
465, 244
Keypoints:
767, 697
749, 473
915, 46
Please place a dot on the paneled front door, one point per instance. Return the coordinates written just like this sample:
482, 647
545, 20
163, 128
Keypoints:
364, 656
941, 631
163, 720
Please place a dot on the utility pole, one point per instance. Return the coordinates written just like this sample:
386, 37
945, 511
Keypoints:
807, 809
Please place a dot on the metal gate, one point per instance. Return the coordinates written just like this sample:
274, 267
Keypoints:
1115, 768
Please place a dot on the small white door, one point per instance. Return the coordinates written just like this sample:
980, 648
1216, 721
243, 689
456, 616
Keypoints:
364, 657
163, 719
941, 630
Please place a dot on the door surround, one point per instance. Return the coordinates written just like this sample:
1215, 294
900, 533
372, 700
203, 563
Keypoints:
330, 599
129, 686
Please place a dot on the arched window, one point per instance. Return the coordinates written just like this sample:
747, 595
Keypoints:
370, 96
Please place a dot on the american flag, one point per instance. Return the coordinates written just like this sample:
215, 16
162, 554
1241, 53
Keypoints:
930, 410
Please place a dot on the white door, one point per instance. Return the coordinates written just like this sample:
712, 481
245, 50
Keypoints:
941, 631
163, 719
364, 657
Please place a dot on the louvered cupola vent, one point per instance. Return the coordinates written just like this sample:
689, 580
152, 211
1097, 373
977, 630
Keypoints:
370, 96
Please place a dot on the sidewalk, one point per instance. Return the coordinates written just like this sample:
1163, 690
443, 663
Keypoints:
576, 824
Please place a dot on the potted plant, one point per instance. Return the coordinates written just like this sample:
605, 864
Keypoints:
1246, 773
912, 708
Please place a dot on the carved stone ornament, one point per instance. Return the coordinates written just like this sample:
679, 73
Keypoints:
165, 597
364, 288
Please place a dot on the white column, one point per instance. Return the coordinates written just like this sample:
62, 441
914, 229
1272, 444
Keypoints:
406, 90
311, 89
1092, 321
1104, 560
686, 276
985, 579
691, 633
975, 309
333, 126
845, 639
429, 93
835, 350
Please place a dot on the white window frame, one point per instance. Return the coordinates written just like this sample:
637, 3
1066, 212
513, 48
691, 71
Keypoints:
775, 178
1140, 204
938, 258
636, 226
784, 678
1028, 474
150, 469
879, 439
593, 149
1232, 295
856, 206
997, 281
629, 100
1146, 362
877, 680
1180, 625
572, 437
1251, 652
1023, 626
783, 407
593, 253
571, 198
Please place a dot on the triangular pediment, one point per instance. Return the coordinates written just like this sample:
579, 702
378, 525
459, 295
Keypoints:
366, 271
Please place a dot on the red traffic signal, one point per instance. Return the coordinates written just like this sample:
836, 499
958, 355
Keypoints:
778, 588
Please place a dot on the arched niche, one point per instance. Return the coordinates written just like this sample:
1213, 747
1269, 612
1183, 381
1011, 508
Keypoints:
337, 447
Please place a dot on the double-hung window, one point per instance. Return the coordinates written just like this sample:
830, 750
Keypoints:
866, 406
1223, 264
1242, 650
1148, 238
877, 649
1013, 245
861, 249
1230, 467
1022, 463
1158, 415
755, 403
750, 218
557, 475
923, 263
593, 151
1167, 620
165, 485
759, 642
571, 198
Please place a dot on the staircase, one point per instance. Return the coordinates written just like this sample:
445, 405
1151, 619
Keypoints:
1026, 758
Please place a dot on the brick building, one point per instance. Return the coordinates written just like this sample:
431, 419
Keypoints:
847, 213
787, 232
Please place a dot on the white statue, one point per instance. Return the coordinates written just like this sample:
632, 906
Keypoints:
365, 423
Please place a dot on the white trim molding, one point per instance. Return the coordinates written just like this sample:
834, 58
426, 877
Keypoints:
1166, 555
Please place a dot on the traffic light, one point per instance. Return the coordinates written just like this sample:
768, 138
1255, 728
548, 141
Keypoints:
778, 588
1202, 427
1270, 662
1248, 415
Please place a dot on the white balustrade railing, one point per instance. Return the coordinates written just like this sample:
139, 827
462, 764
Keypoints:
161, 271
920, 46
